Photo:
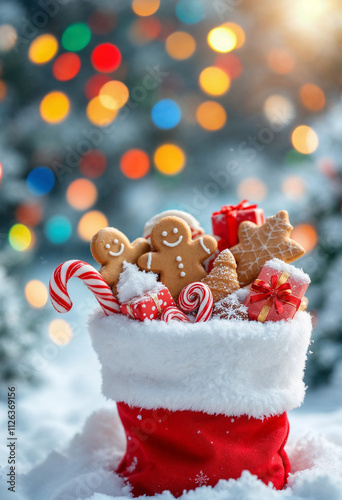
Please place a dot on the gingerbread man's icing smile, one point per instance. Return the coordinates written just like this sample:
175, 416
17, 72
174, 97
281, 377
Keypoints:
115, 254
168, 243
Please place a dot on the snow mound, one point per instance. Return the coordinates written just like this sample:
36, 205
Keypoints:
85, 470
134, 283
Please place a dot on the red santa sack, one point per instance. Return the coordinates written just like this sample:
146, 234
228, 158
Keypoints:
202, 402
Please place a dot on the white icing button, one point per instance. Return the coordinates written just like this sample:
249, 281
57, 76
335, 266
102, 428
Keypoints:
107, 245
178, 259
182, 274
116, 241
164, 233
180, 266
175, 230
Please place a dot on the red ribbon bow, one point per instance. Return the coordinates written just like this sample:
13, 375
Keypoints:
227, 209
277, 294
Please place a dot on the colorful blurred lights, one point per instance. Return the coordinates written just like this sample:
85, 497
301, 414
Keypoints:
169, 159
54, 107
135, 163
58, 229
106, 58
253, 189
312, 97
166, 114
305, 235
304, 139
281, 61
98, 114
66, 66
222, 39
60, 332
190, 11
238, 32
214, 81
20, 237
145, 7
279, 110
93, 164
40, 181
90, 223
113, 94
180, 45
36, 294
294, 187
76, 37
211, 115
81, 194
8, 37
43, 49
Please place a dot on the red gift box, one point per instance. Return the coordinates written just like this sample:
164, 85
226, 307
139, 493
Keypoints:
277, 292
225, 223
149, 306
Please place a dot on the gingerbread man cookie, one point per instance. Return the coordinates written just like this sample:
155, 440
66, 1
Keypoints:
177, 259
111, 248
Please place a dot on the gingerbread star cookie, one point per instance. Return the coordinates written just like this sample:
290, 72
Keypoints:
258, 244
111, 248
178, 258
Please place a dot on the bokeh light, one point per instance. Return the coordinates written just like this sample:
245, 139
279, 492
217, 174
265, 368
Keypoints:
304, 139
8, 37
279, 110
40, 181
36, 293
238, 32
230, 63
135, 163
166, 114
98, 114
145, 7
3, 90
305, 235
101, 22
312, 97
60, 332
190, 11
81, 194
281, 61
76, 37
93, 164
106, 58
58, 229
253, 189
222, 39
43, 49
20, 237
214, 81
114, 94
180, 45
1, 172
144, 30
29, 214
66, 66
94, 85
169, 159
294, 187
90, 223
54, 107
211, 115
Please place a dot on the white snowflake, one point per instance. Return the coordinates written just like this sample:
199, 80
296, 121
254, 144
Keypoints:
133, 465
201, 479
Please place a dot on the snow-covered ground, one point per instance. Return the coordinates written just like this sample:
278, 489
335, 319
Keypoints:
67, 434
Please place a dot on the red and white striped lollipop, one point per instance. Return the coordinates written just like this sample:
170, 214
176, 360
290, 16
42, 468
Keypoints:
197, 295
173, 312
91, 277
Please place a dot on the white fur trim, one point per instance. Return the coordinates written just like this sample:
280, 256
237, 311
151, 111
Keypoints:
231, 367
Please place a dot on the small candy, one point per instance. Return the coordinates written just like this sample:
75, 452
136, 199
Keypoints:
197, 295
173, 313
92, 278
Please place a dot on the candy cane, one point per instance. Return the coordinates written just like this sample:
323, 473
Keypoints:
77, 268
173, 312
197, 295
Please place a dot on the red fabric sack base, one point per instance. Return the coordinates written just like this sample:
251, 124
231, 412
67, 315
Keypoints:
181, 450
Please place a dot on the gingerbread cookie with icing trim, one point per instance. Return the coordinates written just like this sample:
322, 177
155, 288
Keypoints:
177, 259
111, 248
